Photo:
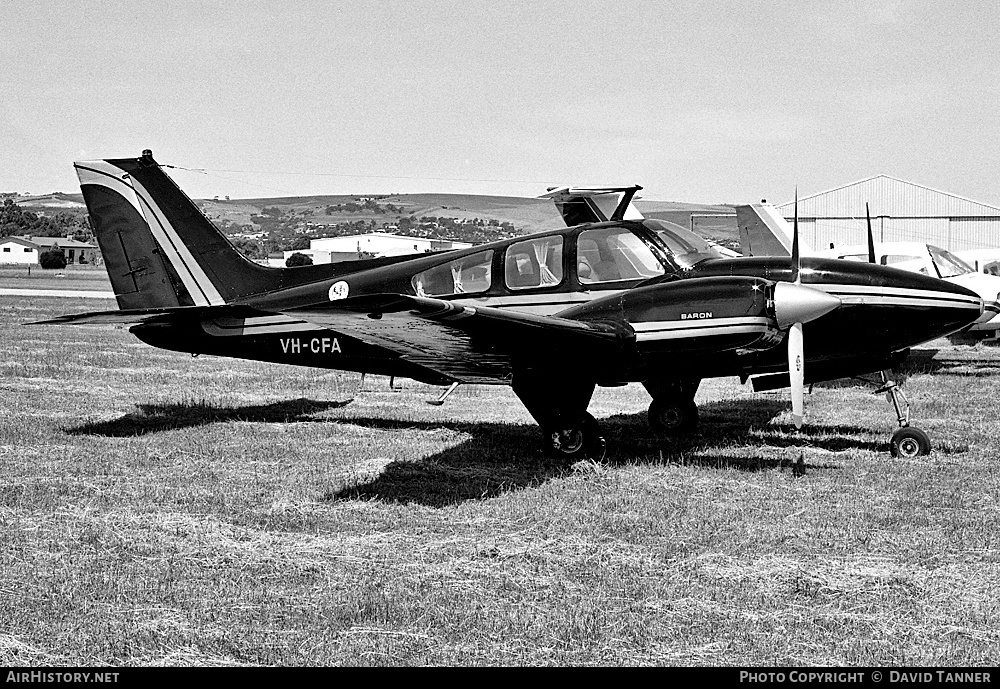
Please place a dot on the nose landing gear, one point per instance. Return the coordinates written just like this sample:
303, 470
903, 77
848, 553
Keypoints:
907, 441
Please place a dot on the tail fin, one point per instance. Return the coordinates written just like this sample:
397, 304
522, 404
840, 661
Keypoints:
160, 249
579, 205
763, 232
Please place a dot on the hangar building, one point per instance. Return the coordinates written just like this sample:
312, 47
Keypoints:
900, 211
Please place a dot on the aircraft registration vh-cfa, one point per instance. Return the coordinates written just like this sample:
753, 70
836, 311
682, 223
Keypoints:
611, 299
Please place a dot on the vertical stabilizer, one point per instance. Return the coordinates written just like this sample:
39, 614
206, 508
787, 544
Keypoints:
161, 250
763, 232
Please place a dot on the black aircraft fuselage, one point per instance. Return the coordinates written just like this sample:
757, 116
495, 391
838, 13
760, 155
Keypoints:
885, 312
552, 314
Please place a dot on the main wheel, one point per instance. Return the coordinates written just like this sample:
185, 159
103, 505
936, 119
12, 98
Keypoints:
673, 416
909, 442
575, 436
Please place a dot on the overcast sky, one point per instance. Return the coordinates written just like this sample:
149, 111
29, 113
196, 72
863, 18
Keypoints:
696, 101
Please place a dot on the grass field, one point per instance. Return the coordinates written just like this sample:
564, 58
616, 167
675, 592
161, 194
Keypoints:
161, 510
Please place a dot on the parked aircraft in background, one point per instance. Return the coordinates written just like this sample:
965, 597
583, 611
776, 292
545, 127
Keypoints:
553, 314
982, 260
764, 232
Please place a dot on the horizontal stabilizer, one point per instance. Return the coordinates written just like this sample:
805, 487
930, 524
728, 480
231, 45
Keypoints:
149, 316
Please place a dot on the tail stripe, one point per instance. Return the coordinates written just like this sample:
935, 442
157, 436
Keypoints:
102, 174
195, 279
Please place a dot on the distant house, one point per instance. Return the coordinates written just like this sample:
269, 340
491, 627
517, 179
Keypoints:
18, 251
26, 250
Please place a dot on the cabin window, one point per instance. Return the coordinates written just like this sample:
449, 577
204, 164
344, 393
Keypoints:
612, 254
535, 263
467, 275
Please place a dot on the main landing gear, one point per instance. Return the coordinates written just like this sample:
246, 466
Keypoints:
574, 435
908, 441
672, 411
560, 408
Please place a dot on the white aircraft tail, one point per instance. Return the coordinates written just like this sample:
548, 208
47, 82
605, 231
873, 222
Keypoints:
764, 232
579, 205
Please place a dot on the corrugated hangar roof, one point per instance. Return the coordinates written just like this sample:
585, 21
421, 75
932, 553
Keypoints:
887, 196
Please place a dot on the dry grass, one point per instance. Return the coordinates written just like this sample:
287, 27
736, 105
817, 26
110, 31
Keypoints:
162, 510
72, 277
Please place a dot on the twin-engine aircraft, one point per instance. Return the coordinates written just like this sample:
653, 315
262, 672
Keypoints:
554, 314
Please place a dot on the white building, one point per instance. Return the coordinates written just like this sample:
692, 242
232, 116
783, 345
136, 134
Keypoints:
900, 211
18, 251
26, 250
352, 247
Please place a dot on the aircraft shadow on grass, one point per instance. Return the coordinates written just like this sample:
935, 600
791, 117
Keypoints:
498, 458
157, 418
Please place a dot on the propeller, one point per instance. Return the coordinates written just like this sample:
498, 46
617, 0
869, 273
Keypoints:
796, 350
871, 240
795, 304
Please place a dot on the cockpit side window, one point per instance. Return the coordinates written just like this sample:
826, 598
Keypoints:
614, 253
535, 263
468, 275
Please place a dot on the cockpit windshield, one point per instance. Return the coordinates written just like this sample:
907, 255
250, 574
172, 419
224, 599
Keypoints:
948, 264
685, 247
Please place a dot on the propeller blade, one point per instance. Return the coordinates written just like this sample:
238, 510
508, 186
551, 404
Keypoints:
871, 240
795, 239
796, 372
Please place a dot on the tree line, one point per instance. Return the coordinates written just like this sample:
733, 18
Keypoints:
14, 220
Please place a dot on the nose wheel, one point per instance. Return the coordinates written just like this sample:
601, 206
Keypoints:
907, 442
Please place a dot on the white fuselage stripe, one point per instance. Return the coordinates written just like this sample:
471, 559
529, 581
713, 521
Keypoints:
668, 330
540, 304
857, 294
264, 325
702, 332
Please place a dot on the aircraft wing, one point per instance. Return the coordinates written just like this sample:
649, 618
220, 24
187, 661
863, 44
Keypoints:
579, 205
472, 344
764, 232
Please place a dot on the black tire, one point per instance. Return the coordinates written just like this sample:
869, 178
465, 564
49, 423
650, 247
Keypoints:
672, 416
909, 442
575, 436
